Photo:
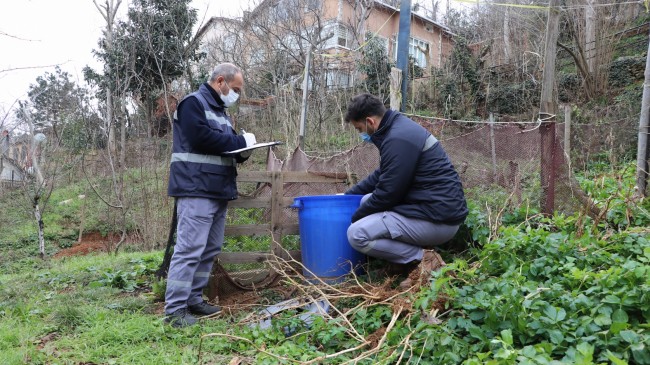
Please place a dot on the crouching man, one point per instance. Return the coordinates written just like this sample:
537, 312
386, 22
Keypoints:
413, 201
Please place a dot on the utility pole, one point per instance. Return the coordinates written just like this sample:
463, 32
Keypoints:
403, 46
547, 111
305, 93
642, 146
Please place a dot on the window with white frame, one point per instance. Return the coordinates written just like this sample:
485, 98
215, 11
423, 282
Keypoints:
338, 79
339, 35
418, 49
343, 38
229, 41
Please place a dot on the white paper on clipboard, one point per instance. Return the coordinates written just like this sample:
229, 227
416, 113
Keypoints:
257, 145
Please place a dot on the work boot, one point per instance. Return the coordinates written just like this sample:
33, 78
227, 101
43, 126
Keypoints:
204, 309
181, 319
394, 269
431, 261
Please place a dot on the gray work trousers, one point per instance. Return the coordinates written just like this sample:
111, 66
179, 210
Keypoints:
199, 238
396, 238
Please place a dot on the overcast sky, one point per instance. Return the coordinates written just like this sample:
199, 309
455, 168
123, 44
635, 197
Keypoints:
36, 35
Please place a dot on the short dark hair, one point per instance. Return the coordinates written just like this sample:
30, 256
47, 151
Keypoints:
363, 106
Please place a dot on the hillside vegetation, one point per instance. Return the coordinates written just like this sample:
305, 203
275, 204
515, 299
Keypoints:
530, 290
526, 288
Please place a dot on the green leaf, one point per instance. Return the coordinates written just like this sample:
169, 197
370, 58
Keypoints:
502, 353
477, 333
603, 320
615, 360
476, 315
585, 349
619, 316
640, 354
612, 299
528, 351
506, 336
629, 336
556, 336
617, 327
554, 314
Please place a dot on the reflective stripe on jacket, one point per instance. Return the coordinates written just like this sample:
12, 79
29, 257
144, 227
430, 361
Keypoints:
415, 177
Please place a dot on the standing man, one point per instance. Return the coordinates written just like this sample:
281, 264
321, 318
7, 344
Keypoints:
413, 201
202, 179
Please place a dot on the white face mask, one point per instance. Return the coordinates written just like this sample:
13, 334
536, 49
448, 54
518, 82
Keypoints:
230, 98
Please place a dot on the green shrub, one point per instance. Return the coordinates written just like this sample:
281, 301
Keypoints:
568, 87
626, 70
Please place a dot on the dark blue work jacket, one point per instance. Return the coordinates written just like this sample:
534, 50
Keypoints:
202, 133
415, 177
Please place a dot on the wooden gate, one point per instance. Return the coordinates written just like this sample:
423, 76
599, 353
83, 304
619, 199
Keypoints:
276, 203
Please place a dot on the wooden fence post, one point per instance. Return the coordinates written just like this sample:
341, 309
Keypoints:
494, 150
567, 133
547, 111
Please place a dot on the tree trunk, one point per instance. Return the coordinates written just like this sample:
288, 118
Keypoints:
109, 122
435, 4
108, 12
39, 221
395, 88
590, 36
506, 36
642, 147
305, 105
123, 140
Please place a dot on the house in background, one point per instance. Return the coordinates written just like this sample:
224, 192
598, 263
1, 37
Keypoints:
335, 31
11, 170
430, 42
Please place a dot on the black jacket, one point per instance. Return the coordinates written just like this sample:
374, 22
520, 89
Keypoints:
415, 177
202, 133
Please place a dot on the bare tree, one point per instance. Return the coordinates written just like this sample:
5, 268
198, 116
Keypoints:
40, 180
109, 12
594, 31
143, 55
271, 45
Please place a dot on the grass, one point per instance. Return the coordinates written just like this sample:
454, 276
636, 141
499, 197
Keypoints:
55, 315
541, 289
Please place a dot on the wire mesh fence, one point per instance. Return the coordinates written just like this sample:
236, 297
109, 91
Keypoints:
499, 164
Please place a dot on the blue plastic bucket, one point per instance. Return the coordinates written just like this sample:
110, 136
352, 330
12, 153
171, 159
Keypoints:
324, 222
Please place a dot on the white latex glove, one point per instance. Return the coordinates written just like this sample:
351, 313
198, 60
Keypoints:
250, 139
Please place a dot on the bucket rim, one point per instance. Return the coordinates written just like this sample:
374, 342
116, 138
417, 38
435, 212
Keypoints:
329, 197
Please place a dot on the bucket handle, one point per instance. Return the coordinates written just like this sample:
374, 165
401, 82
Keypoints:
297, 203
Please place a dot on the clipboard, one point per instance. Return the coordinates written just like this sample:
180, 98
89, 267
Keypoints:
255, 146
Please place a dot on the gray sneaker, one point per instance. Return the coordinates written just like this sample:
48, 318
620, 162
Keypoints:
204, 309
181, 319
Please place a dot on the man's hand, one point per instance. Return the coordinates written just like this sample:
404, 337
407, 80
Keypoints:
250, 139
